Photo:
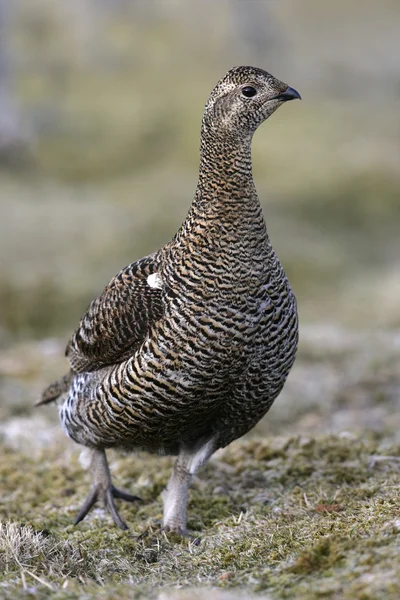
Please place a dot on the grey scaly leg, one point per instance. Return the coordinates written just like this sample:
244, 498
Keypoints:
175, 494
103, 489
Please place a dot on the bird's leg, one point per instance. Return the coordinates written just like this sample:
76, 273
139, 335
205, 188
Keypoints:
103, 489
175, 494
175, 499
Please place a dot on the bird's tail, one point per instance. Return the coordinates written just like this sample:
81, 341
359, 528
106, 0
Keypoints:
55, 389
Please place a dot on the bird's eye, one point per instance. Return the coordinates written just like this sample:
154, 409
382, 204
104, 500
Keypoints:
249, 91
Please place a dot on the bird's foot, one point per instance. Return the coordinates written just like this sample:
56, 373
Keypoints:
104, 490
107, 496
178, 529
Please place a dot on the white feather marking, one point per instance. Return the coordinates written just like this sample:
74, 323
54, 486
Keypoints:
155, 281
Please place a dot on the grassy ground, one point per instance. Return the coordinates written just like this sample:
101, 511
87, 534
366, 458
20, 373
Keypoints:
306, 507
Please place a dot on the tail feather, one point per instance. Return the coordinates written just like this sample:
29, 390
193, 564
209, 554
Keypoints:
55, 389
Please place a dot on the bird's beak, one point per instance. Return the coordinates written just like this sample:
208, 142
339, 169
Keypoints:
289, 94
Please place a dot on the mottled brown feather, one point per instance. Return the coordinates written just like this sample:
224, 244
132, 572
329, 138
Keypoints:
118, 320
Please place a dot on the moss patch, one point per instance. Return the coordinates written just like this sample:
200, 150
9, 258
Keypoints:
299, 517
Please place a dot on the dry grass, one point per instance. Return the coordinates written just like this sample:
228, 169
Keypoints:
284, 515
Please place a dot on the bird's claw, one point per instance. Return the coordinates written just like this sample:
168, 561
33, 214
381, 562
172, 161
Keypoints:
107, 495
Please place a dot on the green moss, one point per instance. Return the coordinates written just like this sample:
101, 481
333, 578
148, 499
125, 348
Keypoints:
287, 542
326, 553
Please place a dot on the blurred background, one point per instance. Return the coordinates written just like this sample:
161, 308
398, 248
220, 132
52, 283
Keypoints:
100, 110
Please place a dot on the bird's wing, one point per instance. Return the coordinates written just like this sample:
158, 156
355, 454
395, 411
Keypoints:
117, 322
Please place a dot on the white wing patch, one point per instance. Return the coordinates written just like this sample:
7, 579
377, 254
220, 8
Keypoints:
155, 281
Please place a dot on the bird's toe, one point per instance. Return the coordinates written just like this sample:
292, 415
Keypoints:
107, 495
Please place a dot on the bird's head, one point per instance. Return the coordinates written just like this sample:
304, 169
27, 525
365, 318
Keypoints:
242, 100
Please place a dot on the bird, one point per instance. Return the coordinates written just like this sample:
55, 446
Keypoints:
186, 349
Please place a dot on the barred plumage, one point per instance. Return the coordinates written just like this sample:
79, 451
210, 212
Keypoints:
186, 349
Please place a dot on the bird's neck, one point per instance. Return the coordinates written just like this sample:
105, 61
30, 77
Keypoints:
226, 201
225, 221
225, 175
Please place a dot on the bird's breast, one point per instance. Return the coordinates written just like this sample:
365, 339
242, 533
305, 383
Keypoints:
224, 311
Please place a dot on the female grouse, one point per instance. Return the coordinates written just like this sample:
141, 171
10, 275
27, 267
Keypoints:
186, 349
